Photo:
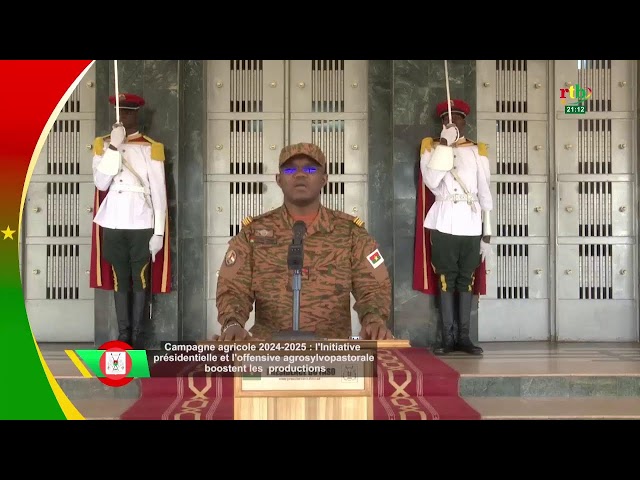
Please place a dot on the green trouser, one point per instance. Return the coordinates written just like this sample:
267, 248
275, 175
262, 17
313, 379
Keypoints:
454, 259
128, 253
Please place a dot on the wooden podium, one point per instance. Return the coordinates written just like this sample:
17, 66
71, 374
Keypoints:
341, 397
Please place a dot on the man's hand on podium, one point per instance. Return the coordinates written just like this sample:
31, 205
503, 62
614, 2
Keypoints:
375, 330
232, 331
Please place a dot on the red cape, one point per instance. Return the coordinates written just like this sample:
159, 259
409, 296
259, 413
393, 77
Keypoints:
424, 278
101, 275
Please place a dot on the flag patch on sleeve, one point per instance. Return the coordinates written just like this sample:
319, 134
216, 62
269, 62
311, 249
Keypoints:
375, 258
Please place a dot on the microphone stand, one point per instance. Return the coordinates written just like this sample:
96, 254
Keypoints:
295, 261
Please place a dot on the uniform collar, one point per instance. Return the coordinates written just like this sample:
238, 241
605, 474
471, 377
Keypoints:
322, 222
460, 141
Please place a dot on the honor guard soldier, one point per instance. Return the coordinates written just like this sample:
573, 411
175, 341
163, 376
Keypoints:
130, 250
340, 258
456, 170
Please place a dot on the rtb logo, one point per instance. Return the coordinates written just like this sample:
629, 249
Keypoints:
579, 96
576, 93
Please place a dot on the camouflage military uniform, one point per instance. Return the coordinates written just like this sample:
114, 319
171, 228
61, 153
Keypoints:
340, 258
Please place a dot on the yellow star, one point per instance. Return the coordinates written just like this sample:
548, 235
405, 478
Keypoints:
8, 233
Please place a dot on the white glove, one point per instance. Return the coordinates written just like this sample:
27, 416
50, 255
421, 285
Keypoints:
118, 134
450, 133
155, 245
485, 250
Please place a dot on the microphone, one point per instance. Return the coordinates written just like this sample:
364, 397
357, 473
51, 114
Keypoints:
299, 231
296, 250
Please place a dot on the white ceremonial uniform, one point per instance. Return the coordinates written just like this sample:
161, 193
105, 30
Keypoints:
451, 213
129, 205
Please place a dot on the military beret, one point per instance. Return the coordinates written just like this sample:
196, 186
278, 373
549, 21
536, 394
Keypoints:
457, 106
310, 150
128, 101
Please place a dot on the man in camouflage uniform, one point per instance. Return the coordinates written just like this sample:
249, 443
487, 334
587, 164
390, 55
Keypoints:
340, 258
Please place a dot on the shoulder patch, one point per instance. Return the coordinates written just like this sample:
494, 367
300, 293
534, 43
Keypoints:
358, 222
483, 149
247, 221
427, 145
98, 146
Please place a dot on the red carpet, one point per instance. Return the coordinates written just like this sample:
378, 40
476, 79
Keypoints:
412, 384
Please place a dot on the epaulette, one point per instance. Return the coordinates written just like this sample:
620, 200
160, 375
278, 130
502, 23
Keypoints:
427, 145
350, 218
483, 149
247, 221
98, 145
157, 149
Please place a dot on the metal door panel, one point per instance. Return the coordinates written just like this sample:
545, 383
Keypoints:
568, 272
40, 167
85, 291
538, 271
538, 147
622, 140
247, 88
35, 210
487, 134
86, 91
622, 211
513, 320
597, 321
538, 210
218, 86
515, 153
355, 199
219, 146
566, 75
623, 272
244, 146
594, 146
537, 86
486, 97
355, 86
85, 209
621, 84
302, 87
568, 209
35, 275
566, 146
86, 138
491, 267
228, 206
62, 321
342, 141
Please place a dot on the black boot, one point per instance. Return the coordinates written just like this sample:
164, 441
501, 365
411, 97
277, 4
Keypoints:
123, 316
446, 314
464, 343
139, 315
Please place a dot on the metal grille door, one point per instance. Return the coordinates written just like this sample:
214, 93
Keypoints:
255, 107
594, 160
57, 225
512, 120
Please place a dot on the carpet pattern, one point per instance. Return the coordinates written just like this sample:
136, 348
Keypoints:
411, 384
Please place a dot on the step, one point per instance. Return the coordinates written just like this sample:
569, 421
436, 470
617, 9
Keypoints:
554, 408
497, 408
